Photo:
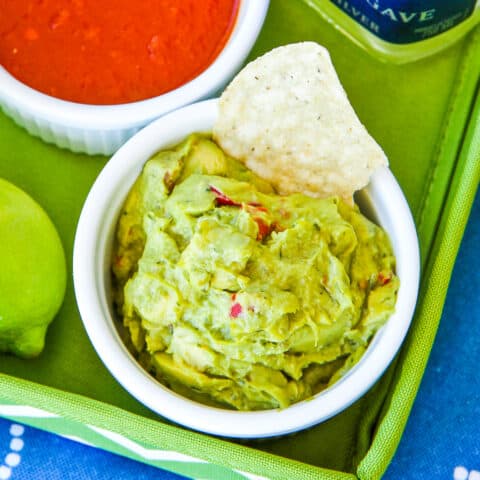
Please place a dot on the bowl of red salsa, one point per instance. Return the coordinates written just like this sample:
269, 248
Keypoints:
87, 74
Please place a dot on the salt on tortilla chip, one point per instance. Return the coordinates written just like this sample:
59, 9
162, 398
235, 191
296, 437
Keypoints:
288, 118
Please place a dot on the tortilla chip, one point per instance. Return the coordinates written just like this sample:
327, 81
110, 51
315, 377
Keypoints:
288, 118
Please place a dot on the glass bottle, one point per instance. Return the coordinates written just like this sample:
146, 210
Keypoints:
401, 31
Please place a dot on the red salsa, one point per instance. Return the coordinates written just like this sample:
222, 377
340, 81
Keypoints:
111, 51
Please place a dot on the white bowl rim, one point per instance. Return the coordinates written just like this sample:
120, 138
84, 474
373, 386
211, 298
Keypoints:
248, 22
102, 206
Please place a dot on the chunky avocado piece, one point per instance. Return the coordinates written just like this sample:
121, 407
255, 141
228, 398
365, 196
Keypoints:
33, 273
236, 296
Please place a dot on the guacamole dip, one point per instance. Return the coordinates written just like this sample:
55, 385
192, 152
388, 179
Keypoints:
235, 296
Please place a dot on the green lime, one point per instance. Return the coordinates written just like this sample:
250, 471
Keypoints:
32, 272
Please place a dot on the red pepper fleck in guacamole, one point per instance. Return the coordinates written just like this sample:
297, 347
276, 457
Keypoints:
238, 297
111, 52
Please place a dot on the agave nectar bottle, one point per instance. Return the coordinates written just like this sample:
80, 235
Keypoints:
401, 30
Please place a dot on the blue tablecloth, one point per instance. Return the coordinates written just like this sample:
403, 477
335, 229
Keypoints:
441, 441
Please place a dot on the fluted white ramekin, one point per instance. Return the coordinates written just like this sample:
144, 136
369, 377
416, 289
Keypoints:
381, 200
101, 129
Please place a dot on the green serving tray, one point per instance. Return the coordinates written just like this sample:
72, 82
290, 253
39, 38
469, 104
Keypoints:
426, 117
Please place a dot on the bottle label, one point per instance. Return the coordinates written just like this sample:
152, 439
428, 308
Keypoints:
407, 21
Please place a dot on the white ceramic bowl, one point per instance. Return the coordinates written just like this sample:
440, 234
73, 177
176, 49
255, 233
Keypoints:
91, 267
101, 129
